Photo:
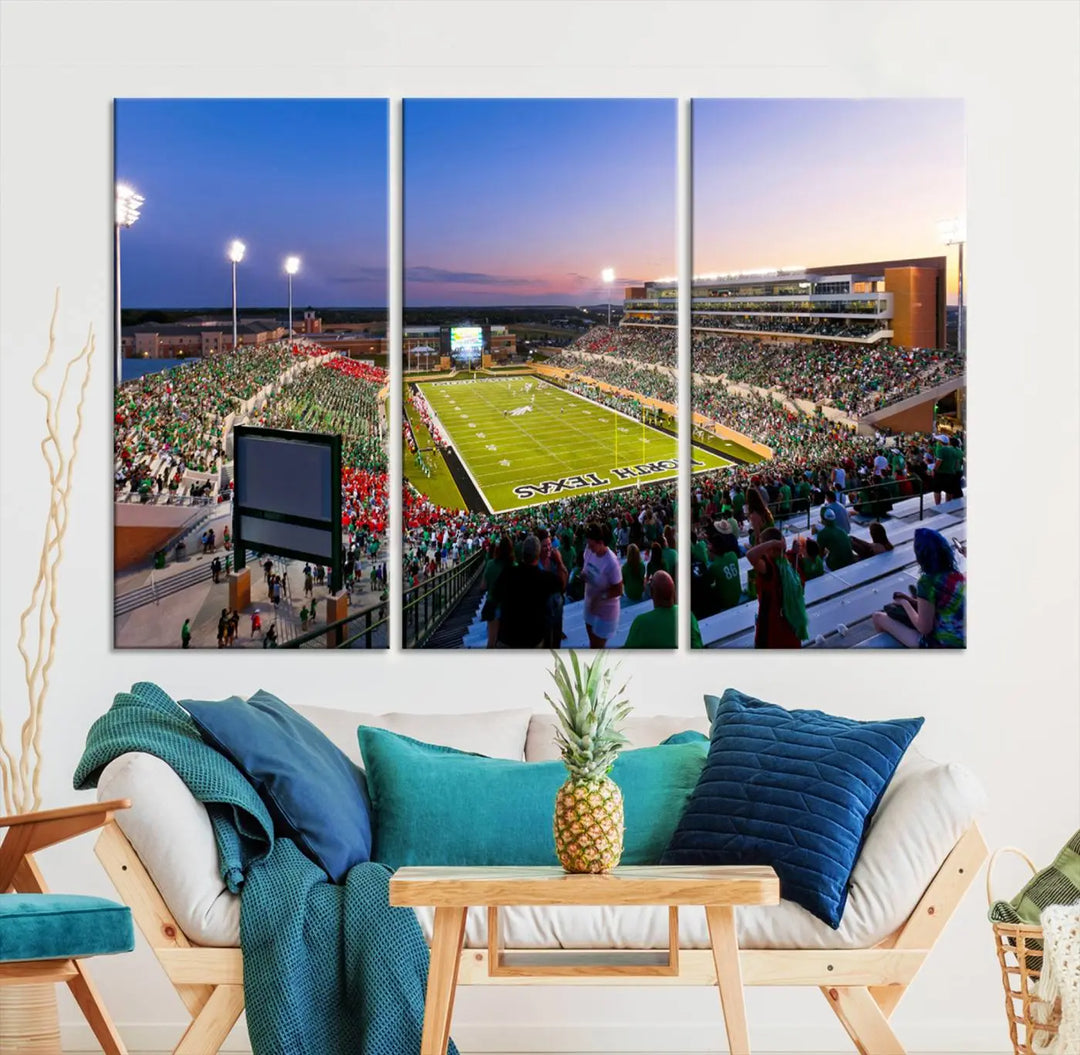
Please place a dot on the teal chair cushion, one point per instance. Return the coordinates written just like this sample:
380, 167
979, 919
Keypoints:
59, 926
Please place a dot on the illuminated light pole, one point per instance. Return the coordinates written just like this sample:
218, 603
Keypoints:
952, 232
236, 254
128, 204
292, 265
608, 276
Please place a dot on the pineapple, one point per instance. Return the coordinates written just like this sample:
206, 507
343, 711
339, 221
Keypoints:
589, 806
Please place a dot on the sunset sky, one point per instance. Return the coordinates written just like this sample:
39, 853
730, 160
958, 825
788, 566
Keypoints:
285, 176
526, 201
520, 201
781, 182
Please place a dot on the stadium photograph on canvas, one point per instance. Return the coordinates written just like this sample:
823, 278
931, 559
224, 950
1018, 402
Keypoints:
540, 414
836, 386
251, 379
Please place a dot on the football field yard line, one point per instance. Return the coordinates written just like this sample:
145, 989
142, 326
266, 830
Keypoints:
532, 447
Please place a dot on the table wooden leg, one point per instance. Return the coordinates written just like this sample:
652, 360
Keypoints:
446, 942
725, 950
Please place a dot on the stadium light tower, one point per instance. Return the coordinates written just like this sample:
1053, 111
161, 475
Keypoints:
952, 232
128, 204
236, 254
292, 265
608, 275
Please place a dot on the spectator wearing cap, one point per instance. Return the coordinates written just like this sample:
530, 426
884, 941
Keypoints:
524, 592
834, 543
660, 627
840, 519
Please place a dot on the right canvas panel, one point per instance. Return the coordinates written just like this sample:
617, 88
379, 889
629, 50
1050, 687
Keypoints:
834, 388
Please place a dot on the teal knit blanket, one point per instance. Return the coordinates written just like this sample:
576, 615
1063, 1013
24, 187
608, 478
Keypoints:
328, 969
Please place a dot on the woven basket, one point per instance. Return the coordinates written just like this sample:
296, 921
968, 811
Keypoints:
1020, 956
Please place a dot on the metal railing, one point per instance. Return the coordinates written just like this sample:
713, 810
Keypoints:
793, 502
342, 633
165, 498
426, 605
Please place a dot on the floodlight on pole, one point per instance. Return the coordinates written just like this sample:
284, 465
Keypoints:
128, 204
236, 254
292, 265
608, 276
952, 232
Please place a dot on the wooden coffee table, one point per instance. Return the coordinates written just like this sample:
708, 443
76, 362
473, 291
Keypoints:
452, 891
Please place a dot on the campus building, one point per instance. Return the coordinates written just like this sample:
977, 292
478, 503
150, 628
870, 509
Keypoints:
899, 301
196, 338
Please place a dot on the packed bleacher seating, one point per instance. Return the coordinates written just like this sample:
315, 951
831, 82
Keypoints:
853, 378
170, 422
628, 374
338, 396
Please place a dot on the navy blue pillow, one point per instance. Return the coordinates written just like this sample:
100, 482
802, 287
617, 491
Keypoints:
791, 789
316, 796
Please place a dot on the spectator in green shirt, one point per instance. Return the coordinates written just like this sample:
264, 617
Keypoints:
660, 627
834, 543
808, 562
722, 575
633, 576
502, 559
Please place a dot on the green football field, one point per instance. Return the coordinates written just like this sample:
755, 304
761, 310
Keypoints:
524, 441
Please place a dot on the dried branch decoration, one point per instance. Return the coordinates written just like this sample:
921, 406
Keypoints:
40, 620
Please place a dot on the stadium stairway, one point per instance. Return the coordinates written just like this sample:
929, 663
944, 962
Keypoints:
461, 620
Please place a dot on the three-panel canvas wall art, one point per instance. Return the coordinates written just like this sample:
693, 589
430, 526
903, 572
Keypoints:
547, 461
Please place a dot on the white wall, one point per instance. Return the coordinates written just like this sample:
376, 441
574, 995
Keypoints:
1007, 708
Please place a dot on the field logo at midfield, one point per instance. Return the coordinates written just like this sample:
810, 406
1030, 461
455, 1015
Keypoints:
575, 483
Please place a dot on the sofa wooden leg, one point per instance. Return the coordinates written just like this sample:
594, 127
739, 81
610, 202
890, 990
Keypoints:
86, 995
864, 1021
211, 1025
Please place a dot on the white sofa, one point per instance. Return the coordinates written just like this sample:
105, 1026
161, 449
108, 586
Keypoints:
926, 815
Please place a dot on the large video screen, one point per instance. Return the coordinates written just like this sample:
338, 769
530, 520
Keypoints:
466, 342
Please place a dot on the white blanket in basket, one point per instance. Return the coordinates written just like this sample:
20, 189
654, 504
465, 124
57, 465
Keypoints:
1060, 979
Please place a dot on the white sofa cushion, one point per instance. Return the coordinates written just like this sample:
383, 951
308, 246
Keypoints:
497, 734
924, 811
640, 730
172, 834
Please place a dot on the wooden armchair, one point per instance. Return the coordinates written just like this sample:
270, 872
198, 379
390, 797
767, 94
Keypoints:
45, 937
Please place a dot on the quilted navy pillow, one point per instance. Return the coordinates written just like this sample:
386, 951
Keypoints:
315, 794
791, 789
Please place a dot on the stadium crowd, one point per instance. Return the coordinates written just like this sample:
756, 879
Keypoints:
854, 378
628, 375
338, 396
169, 422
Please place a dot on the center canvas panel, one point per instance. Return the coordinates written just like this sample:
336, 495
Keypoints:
540, 416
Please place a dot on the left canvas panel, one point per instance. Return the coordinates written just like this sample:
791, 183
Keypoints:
249, 416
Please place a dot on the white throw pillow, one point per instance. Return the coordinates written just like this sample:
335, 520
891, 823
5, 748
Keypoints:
497, 734
641, 731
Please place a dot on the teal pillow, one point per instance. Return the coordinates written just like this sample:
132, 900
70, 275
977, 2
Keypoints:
437, 806
687, 736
